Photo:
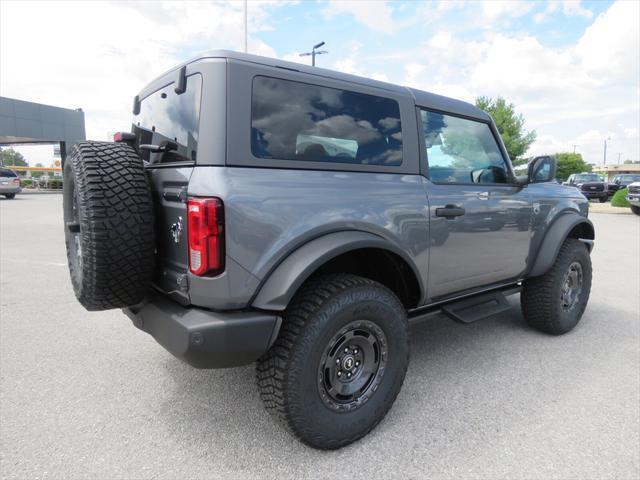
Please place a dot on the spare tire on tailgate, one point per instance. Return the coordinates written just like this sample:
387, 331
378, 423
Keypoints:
108, 216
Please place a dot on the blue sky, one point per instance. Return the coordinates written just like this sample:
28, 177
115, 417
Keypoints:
570, 67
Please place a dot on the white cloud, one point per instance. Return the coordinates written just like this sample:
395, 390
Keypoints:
570, 8
97, 55
373, 14
494, 9
564, 93
573, 7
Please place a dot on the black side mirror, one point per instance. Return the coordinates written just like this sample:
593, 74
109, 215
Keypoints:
542, 169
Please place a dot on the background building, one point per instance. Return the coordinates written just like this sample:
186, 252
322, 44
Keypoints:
616, 169
31, 123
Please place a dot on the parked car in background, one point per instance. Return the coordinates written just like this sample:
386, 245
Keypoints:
9, 183
621, 181
633, 196
590, 184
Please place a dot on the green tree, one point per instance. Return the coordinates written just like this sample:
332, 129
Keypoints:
10, 158
510, 125
569, 163
37, 174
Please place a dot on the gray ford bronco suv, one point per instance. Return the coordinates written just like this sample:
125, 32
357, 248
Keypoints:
264, 211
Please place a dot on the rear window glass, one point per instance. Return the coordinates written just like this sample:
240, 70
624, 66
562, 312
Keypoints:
587, 178
299, 121
7, 173
165, 115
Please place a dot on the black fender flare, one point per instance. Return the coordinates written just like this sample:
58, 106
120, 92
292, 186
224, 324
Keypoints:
283, 282
555, 237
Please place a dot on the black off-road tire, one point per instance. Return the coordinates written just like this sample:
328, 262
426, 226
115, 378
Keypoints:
108, 216
541, 298
10, 196
603, 199
635, 209
289, 375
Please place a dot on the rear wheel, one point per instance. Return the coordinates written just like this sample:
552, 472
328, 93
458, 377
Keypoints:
10, 196
602, 199
635, 209
554, 302
339, 361
108, 218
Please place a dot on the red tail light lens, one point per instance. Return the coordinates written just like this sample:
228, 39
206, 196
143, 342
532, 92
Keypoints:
16, 180
123, 137
205, 225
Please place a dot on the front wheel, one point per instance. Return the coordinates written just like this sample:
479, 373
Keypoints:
554, 302
339, 361
10, 196
603, 199
635, 209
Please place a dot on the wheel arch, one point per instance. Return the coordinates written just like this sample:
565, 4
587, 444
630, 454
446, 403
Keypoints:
342, 252
566, 225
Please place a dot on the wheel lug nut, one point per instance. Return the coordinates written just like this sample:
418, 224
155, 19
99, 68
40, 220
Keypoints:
357, 364
355, 351
346, 350
337, 361
339, 374
349, 375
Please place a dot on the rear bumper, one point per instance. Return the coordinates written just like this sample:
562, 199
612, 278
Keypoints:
203, 338
4, 189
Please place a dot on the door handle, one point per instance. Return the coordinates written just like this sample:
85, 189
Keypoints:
449, 211
483, 195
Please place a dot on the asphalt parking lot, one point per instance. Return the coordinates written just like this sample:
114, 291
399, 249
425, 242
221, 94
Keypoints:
86, 395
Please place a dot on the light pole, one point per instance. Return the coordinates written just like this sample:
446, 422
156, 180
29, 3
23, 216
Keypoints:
619, 155
246, 49
313, 53
605, 150
574, 148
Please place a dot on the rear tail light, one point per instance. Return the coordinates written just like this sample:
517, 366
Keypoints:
205, 230
16, 180
123, 137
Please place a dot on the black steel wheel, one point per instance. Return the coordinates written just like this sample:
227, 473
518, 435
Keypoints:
339, 360
352, 366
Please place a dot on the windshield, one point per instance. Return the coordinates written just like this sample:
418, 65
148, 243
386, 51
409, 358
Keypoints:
587, 178
165, 115
629, 178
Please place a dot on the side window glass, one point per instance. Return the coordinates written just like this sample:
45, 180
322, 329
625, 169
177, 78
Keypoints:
461, 150
299, 121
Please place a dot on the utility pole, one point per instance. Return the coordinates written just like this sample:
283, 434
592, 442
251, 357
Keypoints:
605, 150
574, 148
619, 155
246, 46
313, 53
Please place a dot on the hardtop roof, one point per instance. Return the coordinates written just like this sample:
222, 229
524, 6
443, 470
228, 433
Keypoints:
421, 98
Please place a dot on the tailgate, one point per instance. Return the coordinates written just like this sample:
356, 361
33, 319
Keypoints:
169, 186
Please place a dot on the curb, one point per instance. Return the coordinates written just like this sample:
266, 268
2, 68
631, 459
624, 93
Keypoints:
38, 191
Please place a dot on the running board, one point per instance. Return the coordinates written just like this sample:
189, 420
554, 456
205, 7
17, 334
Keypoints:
477, 308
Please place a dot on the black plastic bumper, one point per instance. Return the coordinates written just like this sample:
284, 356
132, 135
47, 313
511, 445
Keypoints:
594, 194
203, 338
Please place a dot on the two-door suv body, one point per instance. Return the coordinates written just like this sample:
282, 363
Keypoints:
261, 210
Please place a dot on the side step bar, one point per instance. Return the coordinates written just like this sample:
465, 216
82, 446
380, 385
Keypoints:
477, 308
468, 309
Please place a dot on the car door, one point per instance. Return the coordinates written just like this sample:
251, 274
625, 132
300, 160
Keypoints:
480, 220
